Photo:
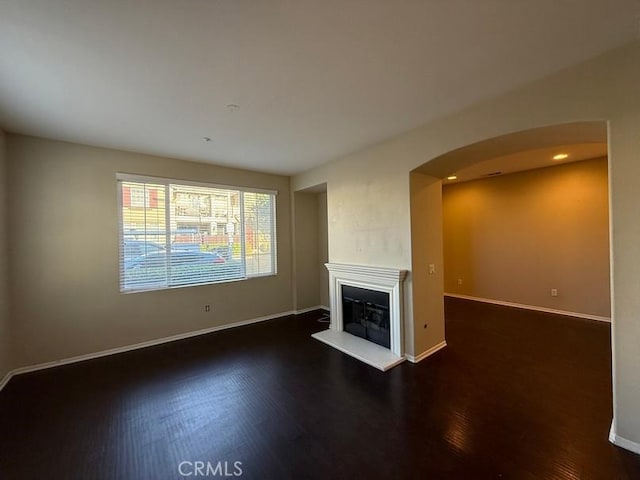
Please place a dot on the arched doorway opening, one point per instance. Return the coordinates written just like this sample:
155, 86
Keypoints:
479, 259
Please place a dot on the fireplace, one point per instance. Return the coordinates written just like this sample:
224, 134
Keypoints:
366, 313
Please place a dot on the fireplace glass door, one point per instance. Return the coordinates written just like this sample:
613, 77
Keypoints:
365, 313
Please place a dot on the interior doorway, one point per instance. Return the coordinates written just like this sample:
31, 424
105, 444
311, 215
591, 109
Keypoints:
311, 249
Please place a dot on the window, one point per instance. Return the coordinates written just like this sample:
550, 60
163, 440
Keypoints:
176, 233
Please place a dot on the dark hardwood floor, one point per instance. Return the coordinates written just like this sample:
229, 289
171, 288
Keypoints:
515, 395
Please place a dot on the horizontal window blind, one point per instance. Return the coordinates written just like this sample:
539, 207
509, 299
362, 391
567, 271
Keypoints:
174, 234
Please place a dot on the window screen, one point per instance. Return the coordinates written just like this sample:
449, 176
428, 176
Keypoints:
177, 234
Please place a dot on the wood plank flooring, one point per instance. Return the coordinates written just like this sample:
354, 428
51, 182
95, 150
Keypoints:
515, 395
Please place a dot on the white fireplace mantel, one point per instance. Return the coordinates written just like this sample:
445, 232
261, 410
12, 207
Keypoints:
381, 279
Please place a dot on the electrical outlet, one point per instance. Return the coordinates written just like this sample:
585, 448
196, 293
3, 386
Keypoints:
207, 308
459, 282
554, 292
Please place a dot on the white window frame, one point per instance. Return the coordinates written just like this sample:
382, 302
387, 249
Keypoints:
128, 177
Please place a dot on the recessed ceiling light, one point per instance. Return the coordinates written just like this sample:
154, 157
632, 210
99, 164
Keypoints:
232, 107
206, 139
560, 156
452, 177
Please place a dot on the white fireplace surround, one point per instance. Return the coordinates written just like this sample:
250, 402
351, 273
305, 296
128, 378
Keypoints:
381, 279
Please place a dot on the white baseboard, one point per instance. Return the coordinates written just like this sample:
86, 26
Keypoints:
622, 442
128, 348
310, 309
427, 353
531, 307
6, 379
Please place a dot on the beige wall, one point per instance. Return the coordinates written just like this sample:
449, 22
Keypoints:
307, 277
63, 238
323, 249
369, 193
5, 341
515, 237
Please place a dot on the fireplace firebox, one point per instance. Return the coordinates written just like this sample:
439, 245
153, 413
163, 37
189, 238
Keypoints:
365, 313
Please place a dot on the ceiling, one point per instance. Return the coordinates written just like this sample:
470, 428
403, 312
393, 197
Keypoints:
314, 80
528, 160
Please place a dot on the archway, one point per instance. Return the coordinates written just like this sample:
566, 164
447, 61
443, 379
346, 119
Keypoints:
427, 201
426, 206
